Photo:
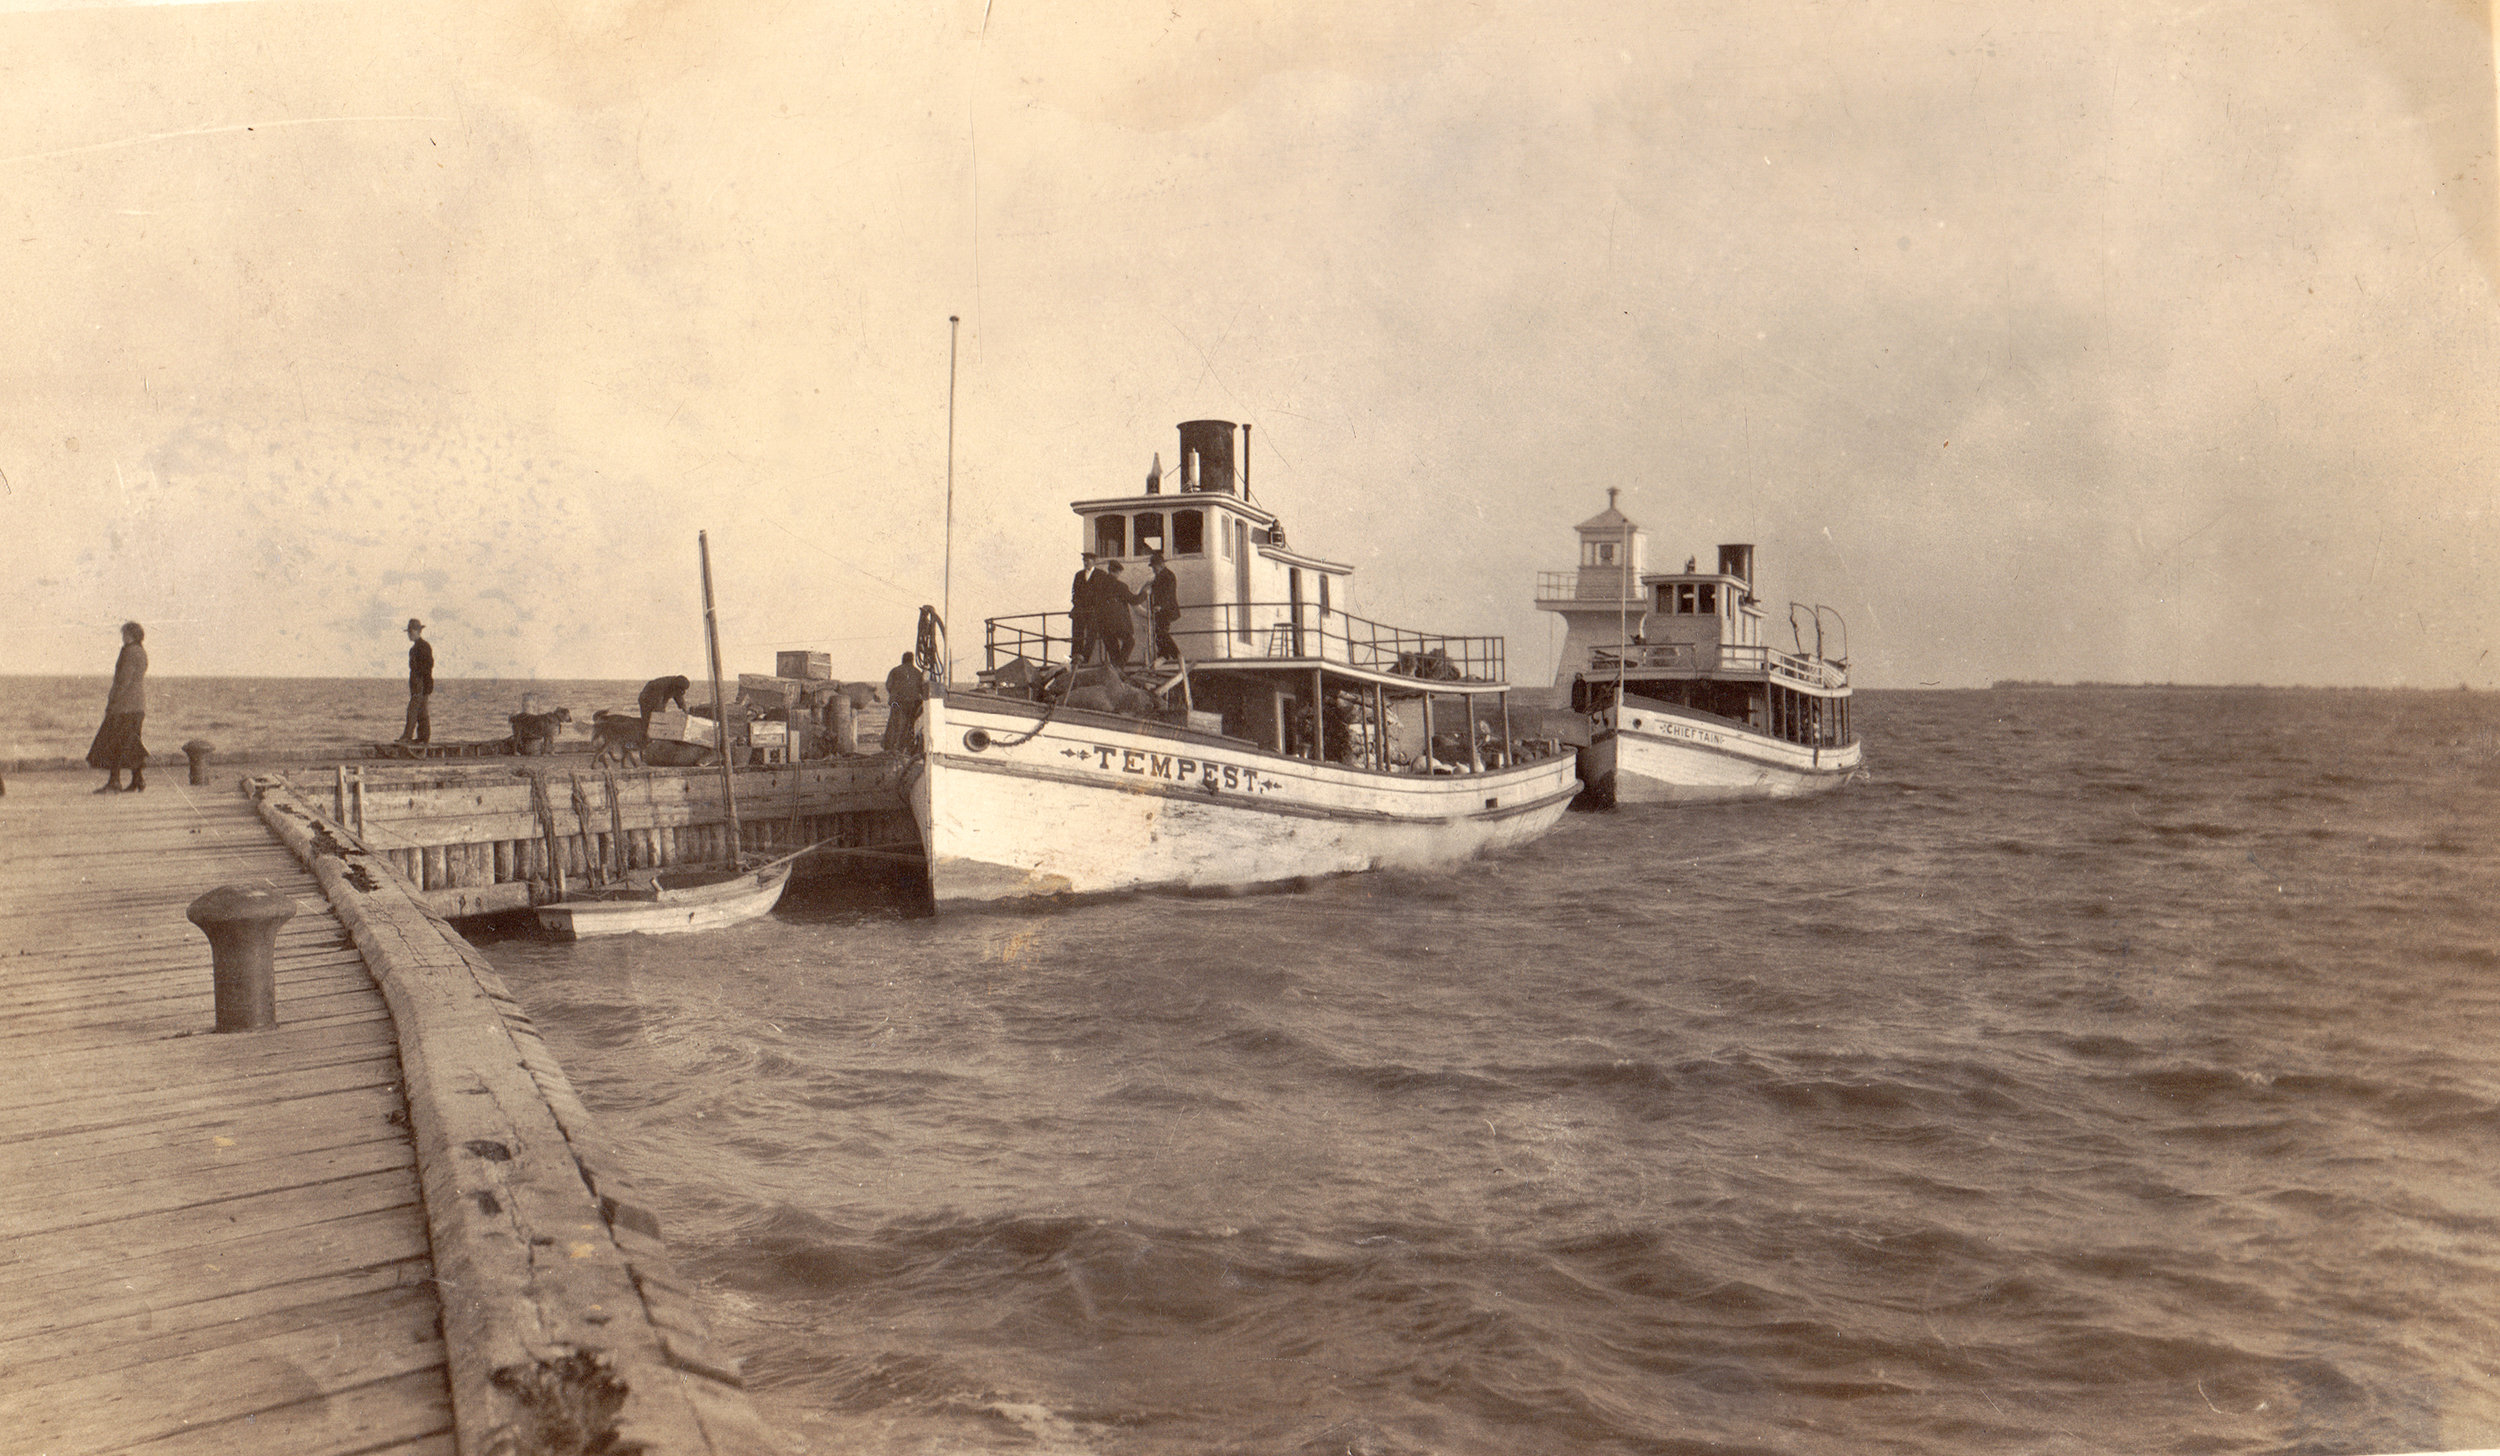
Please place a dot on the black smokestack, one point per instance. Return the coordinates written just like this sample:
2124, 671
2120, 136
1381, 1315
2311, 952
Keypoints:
1207, 455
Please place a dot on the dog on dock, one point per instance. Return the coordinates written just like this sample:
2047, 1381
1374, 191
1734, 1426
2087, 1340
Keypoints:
535, 733
618, 738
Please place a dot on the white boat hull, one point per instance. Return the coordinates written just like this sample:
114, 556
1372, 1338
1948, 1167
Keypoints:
1654, 756
1015, 807
673, 912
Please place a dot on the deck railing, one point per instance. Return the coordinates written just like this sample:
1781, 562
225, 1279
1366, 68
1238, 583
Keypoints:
1589, 584
1805, 672
1266, 631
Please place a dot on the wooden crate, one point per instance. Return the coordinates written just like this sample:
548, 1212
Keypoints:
813, 666
776, 692
670, 726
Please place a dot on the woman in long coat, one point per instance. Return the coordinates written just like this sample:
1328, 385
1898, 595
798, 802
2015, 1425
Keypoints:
117, 744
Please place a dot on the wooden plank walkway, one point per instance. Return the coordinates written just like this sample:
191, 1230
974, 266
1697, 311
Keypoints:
212, 1242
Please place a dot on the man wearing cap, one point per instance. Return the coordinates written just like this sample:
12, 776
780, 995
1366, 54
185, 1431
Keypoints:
1082, 613
420, 727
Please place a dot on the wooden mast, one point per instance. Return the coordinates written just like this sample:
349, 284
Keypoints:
946, 587
720, 704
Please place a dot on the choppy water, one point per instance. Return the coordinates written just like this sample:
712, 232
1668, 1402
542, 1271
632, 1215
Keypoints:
2112, 1070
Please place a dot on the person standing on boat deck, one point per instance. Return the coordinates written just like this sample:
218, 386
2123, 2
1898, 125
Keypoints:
1081, 611
1119, 620
117, 744
904, 692
1164, 596
419, 728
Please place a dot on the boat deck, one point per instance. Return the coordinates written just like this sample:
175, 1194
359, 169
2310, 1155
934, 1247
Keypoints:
214, 1242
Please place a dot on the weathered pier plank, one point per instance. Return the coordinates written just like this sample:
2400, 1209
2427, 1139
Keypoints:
266, 1290
559, 1296
385, 1224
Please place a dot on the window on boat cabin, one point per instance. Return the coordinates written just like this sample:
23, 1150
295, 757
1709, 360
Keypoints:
1149, 531
1709, 599
1111, 535
1189, 533
1323, 592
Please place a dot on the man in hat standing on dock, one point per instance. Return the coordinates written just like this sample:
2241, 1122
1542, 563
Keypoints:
420, 725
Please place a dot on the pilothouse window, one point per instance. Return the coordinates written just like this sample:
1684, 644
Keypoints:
1188, 533
1709, 599
1111, 535
1149, 531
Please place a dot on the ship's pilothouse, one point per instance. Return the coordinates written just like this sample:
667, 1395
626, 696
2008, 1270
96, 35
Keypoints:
1258, 638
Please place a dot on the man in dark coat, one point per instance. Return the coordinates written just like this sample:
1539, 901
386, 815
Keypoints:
117, 744
662, 692
903, 692
420, 725
1163, 596
1117, 626
1081, 612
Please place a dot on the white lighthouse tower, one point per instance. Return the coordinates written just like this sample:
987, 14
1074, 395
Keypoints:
1602, 602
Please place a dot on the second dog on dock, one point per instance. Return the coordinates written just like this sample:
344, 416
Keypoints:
535, 733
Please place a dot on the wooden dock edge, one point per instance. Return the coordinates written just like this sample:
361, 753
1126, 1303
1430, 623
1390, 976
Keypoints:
565, 1325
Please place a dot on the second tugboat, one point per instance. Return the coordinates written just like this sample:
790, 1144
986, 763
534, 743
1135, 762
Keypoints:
1686, 702
1267, 735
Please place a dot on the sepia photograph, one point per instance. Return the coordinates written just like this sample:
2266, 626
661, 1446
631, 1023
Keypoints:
1249, 728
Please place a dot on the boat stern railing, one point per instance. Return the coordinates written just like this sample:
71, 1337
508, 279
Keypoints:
1820, 674
1590, 584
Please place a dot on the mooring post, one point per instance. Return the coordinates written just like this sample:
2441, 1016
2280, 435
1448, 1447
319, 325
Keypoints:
198, 750
242, 928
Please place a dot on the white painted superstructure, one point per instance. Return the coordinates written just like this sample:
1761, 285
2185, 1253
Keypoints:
1686, 700
1287, 739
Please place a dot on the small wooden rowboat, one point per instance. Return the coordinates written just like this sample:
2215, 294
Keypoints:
674, 902
671, 903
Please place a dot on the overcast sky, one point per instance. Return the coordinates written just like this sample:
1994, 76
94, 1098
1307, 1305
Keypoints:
2107, 340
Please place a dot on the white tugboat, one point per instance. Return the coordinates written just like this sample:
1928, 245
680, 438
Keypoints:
1286, 739
1686, 702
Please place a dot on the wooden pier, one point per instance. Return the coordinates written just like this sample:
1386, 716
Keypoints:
510, 833
385, 1224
